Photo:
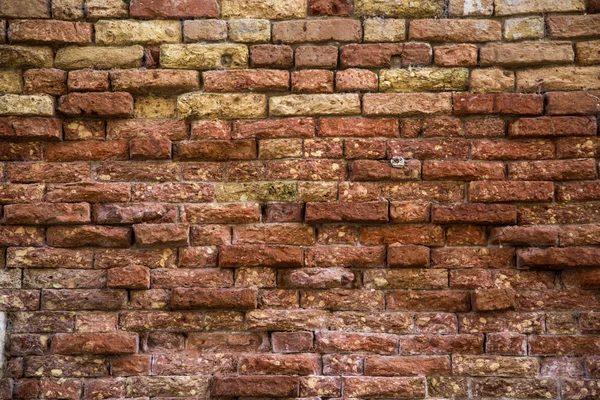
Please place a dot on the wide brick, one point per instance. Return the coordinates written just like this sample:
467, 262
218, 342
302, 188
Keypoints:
47, 214
167, 386
425, 79
460, 55
173, 192
161, 234
89, 235
26, 105
503, 103
174, 9
140, 128
33, 9
486, 214
84, 299
88, 192
511, 191
476, 257
446, 301
410, 278
94, 343
268, 9
463, 170
406, 366
513, 150
26, 56
316, 278
247, 30
30, 128
558, 258
221, 213
343, 342
204, 56
51, 32
260, 255
340, 212
558, 78
455, 30
331, 256
286, 320
119, 32
524, 236
314, 104
442, 344
246, 80
500, 387
492, 80
227, 106
428, 8
32, 257
375, 55
552, 126
339, 30
573, 26
406, 104
216, 150
154, 81
384, 387
184, 298
509, 7
103, 105
274, 128
278, 364
429, 148
527, 53
99, 57
495, 365
493, 299
279, 386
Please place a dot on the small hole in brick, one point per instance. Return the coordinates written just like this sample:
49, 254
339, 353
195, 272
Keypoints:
226, 60
396, 61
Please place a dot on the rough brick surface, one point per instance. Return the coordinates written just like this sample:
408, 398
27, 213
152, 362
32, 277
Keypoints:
197, 199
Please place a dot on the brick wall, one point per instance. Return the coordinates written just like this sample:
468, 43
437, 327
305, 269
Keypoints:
197, 199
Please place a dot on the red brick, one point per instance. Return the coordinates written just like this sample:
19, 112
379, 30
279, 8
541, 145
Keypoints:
30, 128
446, 301
54, 32
360, 127
63, 388
484, 127
460, 55
466, 235
492, 214
579, 235
426, 235
104, 388
94, 343
279, 364
132, 129
552, 127
354, 79
365, 257
88, 151
88, 235
513, 150
429, 148
161, 234
270, 56
140, 81
14, 193
383, 387
10, 151
343, 364
340, 212
442, 344
329, 7
472, 258
524, 236
316, 278
215, 150
174, 9
47, 214
307, 170
572, 26
221, 213
332, 341
21, 236
88, 192
340, 30
84, 299
259, 255
312, 81
552, 170
274, 128
184, 298
463, 170
559, 258
502, 103
84, 129
511, 191
408, 256
580, 191
262, 80
129, 277
87, 80
46, 81
594, 6
102, 105
493, 299
563, 345
370, 55
280, 386
48, 258
562, 103
316, 57
406, 366
33, 9
47, 172
151, 148
506, 344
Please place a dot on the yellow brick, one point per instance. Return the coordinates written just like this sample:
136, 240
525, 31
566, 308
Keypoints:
10, 81
155, 107
558, 78
204, 56
123, 32
268, 9
99, 57
96, 9
524, 28
404, 8
315, 104
255, 191
226, 106
425, 79
13, 104
249, 30
526, 53
492, 81
588, 53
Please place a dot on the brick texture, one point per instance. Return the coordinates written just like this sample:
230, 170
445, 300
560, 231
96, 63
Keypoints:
197, 199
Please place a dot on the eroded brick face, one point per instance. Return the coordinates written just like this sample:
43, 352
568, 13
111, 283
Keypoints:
197, 199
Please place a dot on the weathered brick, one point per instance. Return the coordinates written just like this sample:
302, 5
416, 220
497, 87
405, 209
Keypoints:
406, 104
384, 387
271, 56
454, 30
256, 386
26, 56
26, 105
492, 81
52, 32
103, 105
88, 235
246, 80
314, 104
227, 106
558, 78
45, 81
99, 57
339, 30
248, 30
204, 56
33, 9
155, 80
174, 9
429, 8
572, 26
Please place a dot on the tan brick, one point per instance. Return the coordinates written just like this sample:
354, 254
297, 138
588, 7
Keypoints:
12, 104
10, 81
67, 9
588, 53
406, 103
423, 79
199, 30
204, 56
268, 9
155, 107
558, 78
421, 9
492, 80
530, 53
512, 7
99, 57
249, 30
456, 30
26, 56
29, 9
339, 30
384, 30
315, 104
122, 32
96, 9
227, 106
524, 28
